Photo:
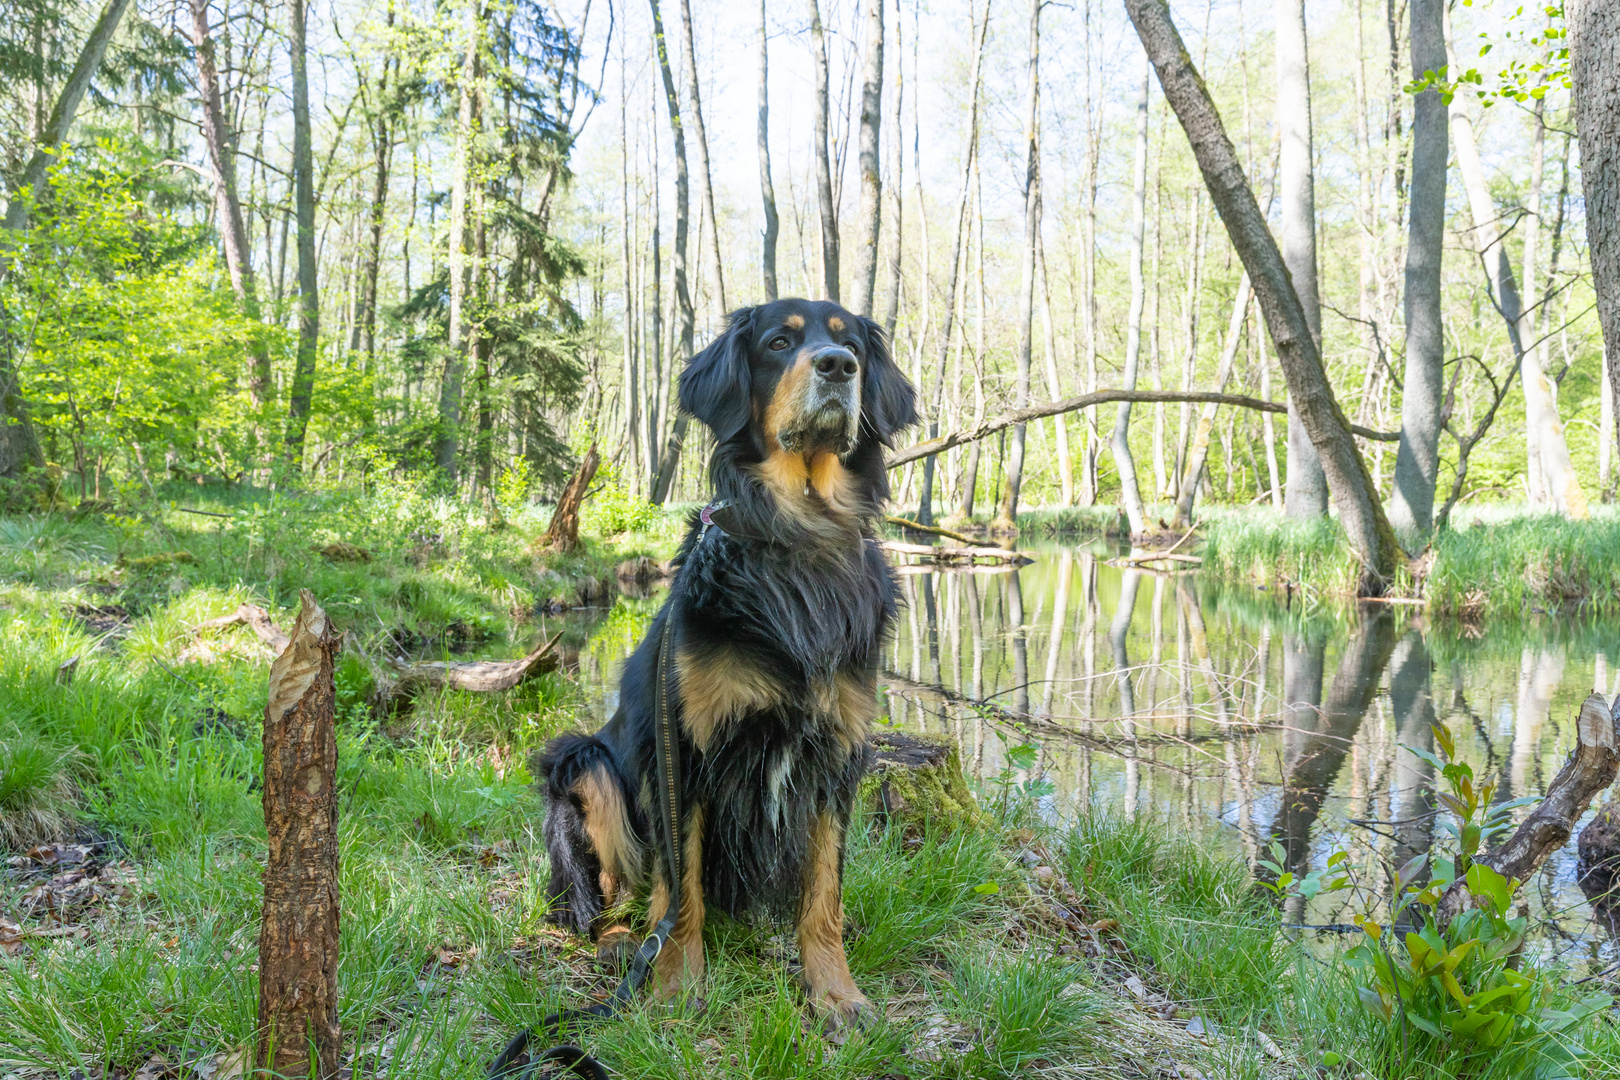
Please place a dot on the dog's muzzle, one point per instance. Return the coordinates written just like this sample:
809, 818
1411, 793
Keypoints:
830, 407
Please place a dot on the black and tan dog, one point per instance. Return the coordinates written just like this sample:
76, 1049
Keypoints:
777, 627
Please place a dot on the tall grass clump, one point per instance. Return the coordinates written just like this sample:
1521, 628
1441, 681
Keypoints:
1516, 565
1261, 547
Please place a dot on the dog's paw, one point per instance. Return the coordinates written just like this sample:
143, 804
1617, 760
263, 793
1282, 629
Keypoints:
615, 948
843, 1014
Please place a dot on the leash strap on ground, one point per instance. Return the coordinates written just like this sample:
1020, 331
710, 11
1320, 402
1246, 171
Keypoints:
515, 1062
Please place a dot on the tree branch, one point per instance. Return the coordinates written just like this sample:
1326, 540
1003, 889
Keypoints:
1100, 397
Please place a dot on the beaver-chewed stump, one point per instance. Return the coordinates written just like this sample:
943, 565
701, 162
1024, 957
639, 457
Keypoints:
916, 781
1599, 848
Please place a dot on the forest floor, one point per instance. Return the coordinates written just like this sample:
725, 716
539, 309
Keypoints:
129, 890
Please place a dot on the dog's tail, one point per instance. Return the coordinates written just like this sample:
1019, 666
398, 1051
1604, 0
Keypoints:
589, 832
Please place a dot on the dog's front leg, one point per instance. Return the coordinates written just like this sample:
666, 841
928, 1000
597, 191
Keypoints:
680, 966
821, 931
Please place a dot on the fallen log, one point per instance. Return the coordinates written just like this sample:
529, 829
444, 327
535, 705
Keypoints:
406, 679
950, 556
479, 676
1590, 769
255, 618
1162, 556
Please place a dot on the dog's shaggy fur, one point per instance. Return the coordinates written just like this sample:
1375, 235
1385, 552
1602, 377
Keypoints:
777, 628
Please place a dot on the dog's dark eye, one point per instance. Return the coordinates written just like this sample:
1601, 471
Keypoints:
853, 347
777, 343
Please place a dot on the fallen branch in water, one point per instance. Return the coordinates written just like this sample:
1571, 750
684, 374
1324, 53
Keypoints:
947, 556
1589, 770
907, 523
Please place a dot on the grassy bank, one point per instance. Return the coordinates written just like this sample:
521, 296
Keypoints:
1097, 947
1491, 563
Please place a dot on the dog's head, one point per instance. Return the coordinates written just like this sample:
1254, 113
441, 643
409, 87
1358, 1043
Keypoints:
800, 376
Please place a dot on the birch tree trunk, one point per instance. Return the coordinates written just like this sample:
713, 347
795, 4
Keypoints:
689, 59
1360, 512
309, 302
1130, 490
1007, 517
632, 312
824, 190
382, 145
1198, 453
931, 403
891, 305
767, 190
869, 223
683, 298
1307, 496
1054, 384
232, 228
1594, 63
1417, 461
1558, 482
455, 360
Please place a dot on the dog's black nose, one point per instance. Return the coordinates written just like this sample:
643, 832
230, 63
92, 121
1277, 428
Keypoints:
836, 365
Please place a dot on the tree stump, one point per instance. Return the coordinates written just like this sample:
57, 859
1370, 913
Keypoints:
917, 779
563, 532
298, 935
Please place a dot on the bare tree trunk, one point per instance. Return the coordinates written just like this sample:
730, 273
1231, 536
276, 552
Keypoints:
299, 401
1054, 384
232, 228
869, 223
632, 309
1553, 475
1307, 495
891, 307
1130, 490
1606, 436
1417, 462
689, 58
455, 361
1360, 513
298, 936
767, 190
1007, 518
824, 189
1268, 429
1594, 64
683, 299
970, 469
56, 128
931, 403
1198, 453
382, 143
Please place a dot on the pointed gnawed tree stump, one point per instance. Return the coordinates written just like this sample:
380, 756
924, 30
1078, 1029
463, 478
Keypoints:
298, 937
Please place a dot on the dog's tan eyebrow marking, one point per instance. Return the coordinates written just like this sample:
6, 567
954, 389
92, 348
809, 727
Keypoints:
794, 322
835, 324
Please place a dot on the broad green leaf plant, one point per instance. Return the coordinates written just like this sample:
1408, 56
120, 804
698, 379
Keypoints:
1463, 988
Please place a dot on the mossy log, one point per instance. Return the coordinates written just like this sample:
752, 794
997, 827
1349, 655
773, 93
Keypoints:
917, 779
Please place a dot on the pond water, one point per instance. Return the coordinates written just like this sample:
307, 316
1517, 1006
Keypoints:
1237, 717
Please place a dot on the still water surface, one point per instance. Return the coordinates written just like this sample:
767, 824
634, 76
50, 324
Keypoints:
1236, 717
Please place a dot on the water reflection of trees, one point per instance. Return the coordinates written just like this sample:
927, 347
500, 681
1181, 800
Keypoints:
1248, 721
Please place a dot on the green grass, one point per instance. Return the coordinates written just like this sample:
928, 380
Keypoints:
1492, 562
153, 749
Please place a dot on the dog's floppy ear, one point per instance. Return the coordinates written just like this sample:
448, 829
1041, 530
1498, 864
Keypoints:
888, 400
714, 384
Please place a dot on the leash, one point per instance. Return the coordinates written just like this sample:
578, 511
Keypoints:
516, 1061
